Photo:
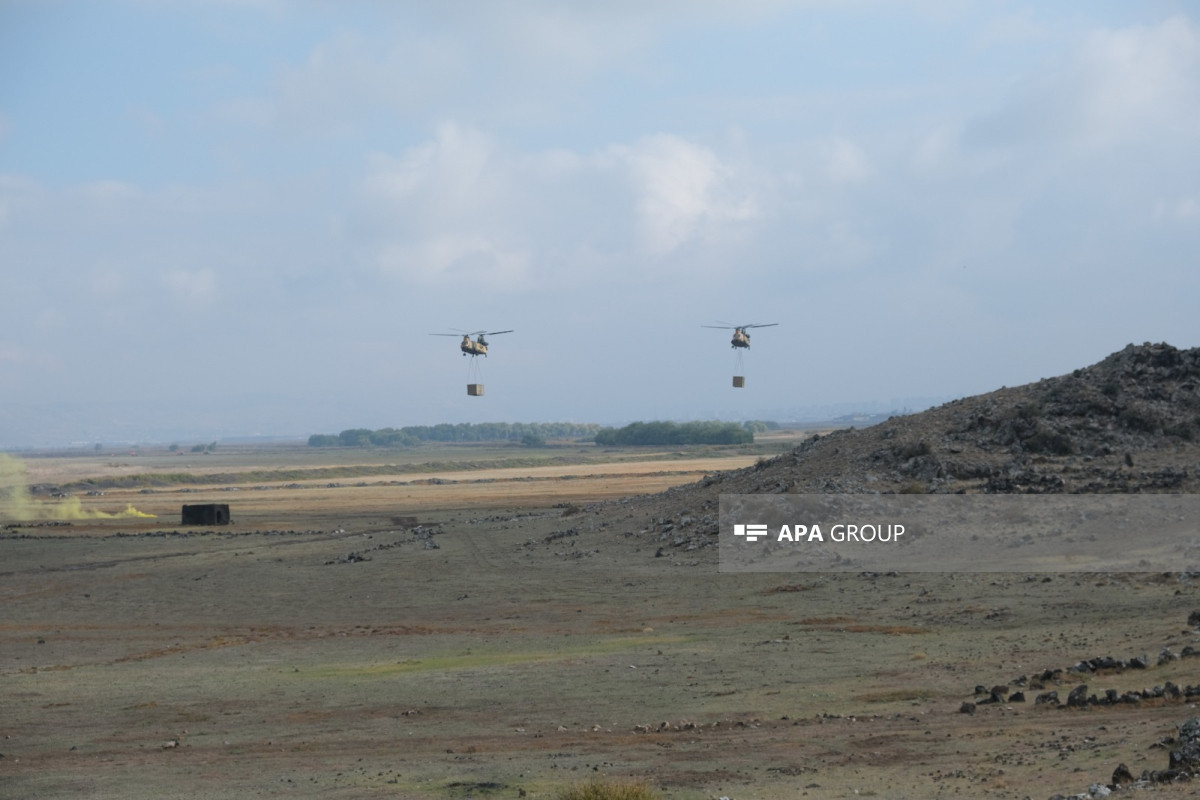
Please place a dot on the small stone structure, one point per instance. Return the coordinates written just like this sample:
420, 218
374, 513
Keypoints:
206, 514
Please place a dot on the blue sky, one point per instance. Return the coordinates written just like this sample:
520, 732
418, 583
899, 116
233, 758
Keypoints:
244, 216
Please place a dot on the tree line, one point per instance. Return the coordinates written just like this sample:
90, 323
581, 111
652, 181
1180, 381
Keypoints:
525, 432
672, 433
537, 433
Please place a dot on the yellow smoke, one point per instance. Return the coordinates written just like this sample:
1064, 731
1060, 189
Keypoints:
14, 491
71, 508
17, 506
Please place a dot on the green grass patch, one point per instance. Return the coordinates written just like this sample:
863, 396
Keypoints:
605, 789
896, 695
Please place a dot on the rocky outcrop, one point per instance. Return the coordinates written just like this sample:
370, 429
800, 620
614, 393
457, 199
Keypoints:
1130, 423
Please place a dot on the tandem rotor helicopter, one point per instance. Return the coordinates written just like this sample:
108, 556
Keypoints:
740, 337
740, 341
473, 347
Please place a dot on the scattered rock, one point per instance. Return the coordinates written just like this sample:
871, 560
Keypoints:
1186, 758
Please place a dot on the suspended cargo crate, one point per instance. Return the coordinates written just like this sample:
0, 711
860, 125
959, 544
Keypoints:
739, 381
475, 389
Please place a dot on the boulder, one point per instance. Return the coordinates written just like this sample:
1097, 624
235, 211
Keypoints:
1186, 757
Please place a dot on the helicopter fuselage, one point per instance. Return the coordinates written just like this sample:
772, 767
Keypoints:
477, 347
740, 339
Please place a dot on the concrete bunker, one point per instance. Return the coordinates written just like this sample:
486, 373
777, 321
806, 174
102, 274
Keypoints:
206, 514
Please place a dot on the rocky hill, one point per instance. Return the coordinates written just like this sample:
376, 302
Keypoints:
1130, 423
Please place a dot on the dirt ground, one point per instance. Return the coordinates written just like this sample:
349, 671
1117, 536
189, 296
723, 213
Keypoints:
324, 646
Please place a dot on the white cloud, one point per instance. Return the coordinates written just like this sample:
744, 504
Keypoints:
351, 77
104, 203
440, 212
247, 112
16, 354
458, 206
1016, 28
1183, 209
193, 287
454, 175
573, 37
108, 282
523, 63
1136, 79
681, 188
50, 319
467, 260
17, 194
1117, 86
106, 193
847, 163
934, 149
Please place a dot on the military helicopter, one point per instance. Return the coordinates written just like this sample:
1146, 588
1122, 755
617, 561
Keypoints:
740, 337
475, 347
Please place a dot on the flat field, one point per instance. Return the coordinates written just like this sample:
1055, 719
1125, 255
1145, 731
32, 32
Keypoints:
469, 621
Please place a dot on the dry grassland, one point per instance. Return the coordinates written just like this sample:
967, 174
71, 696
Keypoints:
321, 647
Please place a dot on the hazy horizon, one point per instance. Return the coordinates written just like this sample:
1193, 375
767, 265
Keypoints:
64, 426
245, 218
